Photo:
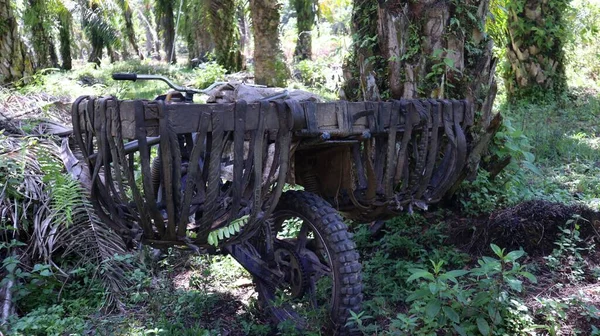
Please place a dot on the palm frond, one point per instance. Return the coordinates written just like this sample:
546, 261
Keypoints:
96, 24
52, 210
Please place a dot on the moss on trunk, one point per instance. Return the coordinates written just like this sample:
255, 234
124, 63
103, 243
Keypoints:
65, 22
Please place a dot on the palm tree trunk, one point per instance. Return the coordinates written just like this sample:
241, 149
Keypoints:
37, 19
129, 30
15, 61
152, 44
305, 12
426, 49
197, 32
224, 31
536, 33
167, 23
269, 67
65, 21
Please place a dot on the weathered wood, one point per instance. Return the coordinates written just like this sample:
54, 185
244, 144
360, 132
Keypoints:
369, 159
184, 118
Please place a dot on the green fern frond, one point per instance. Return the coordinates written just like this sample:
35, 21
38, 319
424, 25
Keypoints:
227, 231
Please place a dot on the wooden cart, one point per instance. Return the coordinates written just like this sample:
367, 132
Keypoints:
211, 177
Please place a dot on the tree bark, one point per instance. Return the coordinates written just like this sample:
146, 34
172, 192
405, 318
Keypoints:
269, 67
305, 13
15, 61
536, 34
423, 49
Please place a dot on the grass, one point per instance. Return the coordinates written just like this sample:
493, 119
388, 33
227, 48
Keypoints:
565, 139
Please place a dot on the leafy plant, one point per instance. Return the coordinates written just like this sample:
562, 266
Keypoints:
208, 73
466, 301
566, 260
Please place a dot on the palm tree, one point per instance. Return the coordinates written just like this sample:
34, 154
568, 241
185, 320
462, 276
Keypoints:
164, 10
99, 30
128, 27
305, 12
269, 67
15, 60
65, 25
38, 20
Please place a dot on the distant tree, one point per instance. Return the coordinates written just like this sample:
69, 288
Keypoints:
15, 61
99, 31
65, 27
269, 67
165, 15
225, 33
536, 35
194, 27
129, 30
146, 15
38, 20
305, 13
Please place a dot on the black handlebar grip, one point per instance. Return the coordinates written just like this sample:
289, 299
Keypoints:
124, 76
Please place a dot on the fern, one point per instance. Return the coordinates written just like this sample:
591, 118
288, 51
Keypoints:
38, 197
227, 231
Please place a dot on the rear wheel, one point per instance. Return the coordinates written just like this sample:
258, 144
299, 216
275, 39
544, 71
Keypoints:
311, 245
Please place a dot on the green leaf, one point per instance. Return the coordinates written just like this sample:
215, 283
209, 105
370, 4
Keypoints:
10, 267
529, 276
437, 52
483, 326
460, 330
529, 156
416, 295
225, 232
497, 250
433, 288
220, 233
451, 314
514, 255
433, 308
532, 168
452, 275
419, 273
236, 226
212, 239
45, 273
449, 62
515, 284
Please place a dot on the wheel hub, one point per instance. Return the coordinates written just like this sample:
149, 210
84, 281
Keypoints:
296, 275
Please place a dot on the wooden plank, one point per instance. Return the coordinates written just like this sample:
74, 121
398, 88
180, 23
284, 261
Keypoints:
185, 117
